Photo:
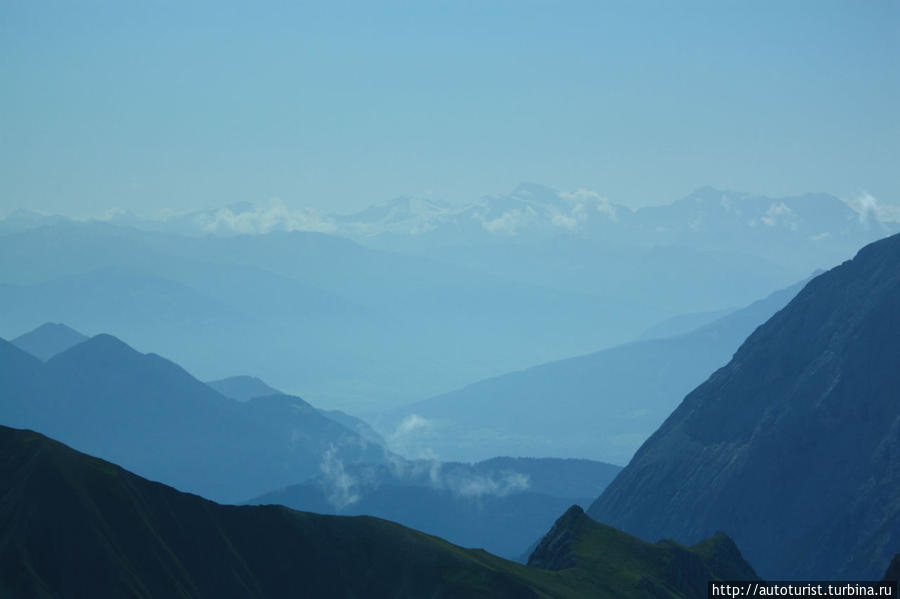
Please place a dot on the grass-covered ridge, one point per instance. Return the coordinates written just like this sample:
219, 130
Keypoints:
77, 526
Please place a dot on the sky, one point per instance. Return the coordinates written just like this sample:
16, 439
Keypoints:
187, 105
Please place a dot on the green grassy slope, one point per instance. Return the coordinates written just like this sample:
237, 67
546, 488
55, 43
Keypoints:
76, 526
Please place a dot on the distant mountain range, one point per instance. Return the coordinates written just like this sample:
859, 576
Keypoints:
410, 299
502, 505
343, 323
793, 447
149, 414
245, 388
77, 526
601, 406
529, 210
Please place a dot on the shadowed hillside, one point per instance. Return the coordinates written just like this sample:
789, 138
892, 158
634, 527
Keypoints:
793, 448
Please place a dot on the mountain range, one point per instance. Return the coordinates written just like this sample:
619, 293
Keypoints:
77, 526
103, 397
344, 324
411, 299
793, 447
145, 412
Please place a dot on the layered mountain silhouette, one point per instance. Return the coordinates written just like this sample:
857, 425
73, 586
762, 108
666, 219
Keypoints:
601, 406
147, 413
428, 297
48, 340
342, 322
501, 505
77, 526
793, 448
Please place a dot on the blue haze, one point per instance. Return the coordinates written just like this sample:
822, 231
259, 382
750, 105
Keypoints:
172, 105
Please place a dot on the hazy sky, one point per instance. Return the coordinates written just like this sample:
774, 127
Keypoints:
187, 104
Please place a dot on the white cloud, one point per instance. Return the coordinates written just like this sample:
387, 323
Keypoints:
779, 213
586, 197
495, 484
274, 215
510, 221
871, 210
341, 489
409, 438
564, 221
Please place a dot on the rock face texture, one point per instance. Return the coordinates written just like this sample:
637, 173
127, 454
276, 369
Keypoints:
793, 448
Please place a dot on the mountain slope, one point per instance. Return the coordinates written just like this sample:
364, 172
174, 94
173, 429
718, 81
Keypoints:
245, 388
601, 406
48, 340
793, 448
77, 526
150, 415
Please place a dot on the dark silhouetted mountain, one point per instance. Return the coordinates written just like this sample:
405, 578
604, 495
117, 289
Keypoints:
601, 406
893, 571
150, 415
245, 388
48, 340
502, 504
76, 526
242, 387
792, 448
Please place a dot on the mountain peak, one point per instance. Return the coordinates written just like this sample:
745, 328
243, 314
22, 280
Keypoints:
48, 340
554, 552
106, 343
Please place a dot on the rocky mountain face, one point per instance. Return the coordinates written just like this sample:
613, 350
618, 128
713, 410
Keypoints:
793, 448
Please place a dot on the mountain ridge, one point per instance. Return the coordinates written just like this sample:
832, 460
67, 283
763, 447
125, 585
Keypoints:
82, 527
151, 415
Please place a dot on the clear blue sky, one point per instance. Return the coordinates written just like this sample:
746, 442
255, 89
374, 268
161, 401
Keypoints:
186, 104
